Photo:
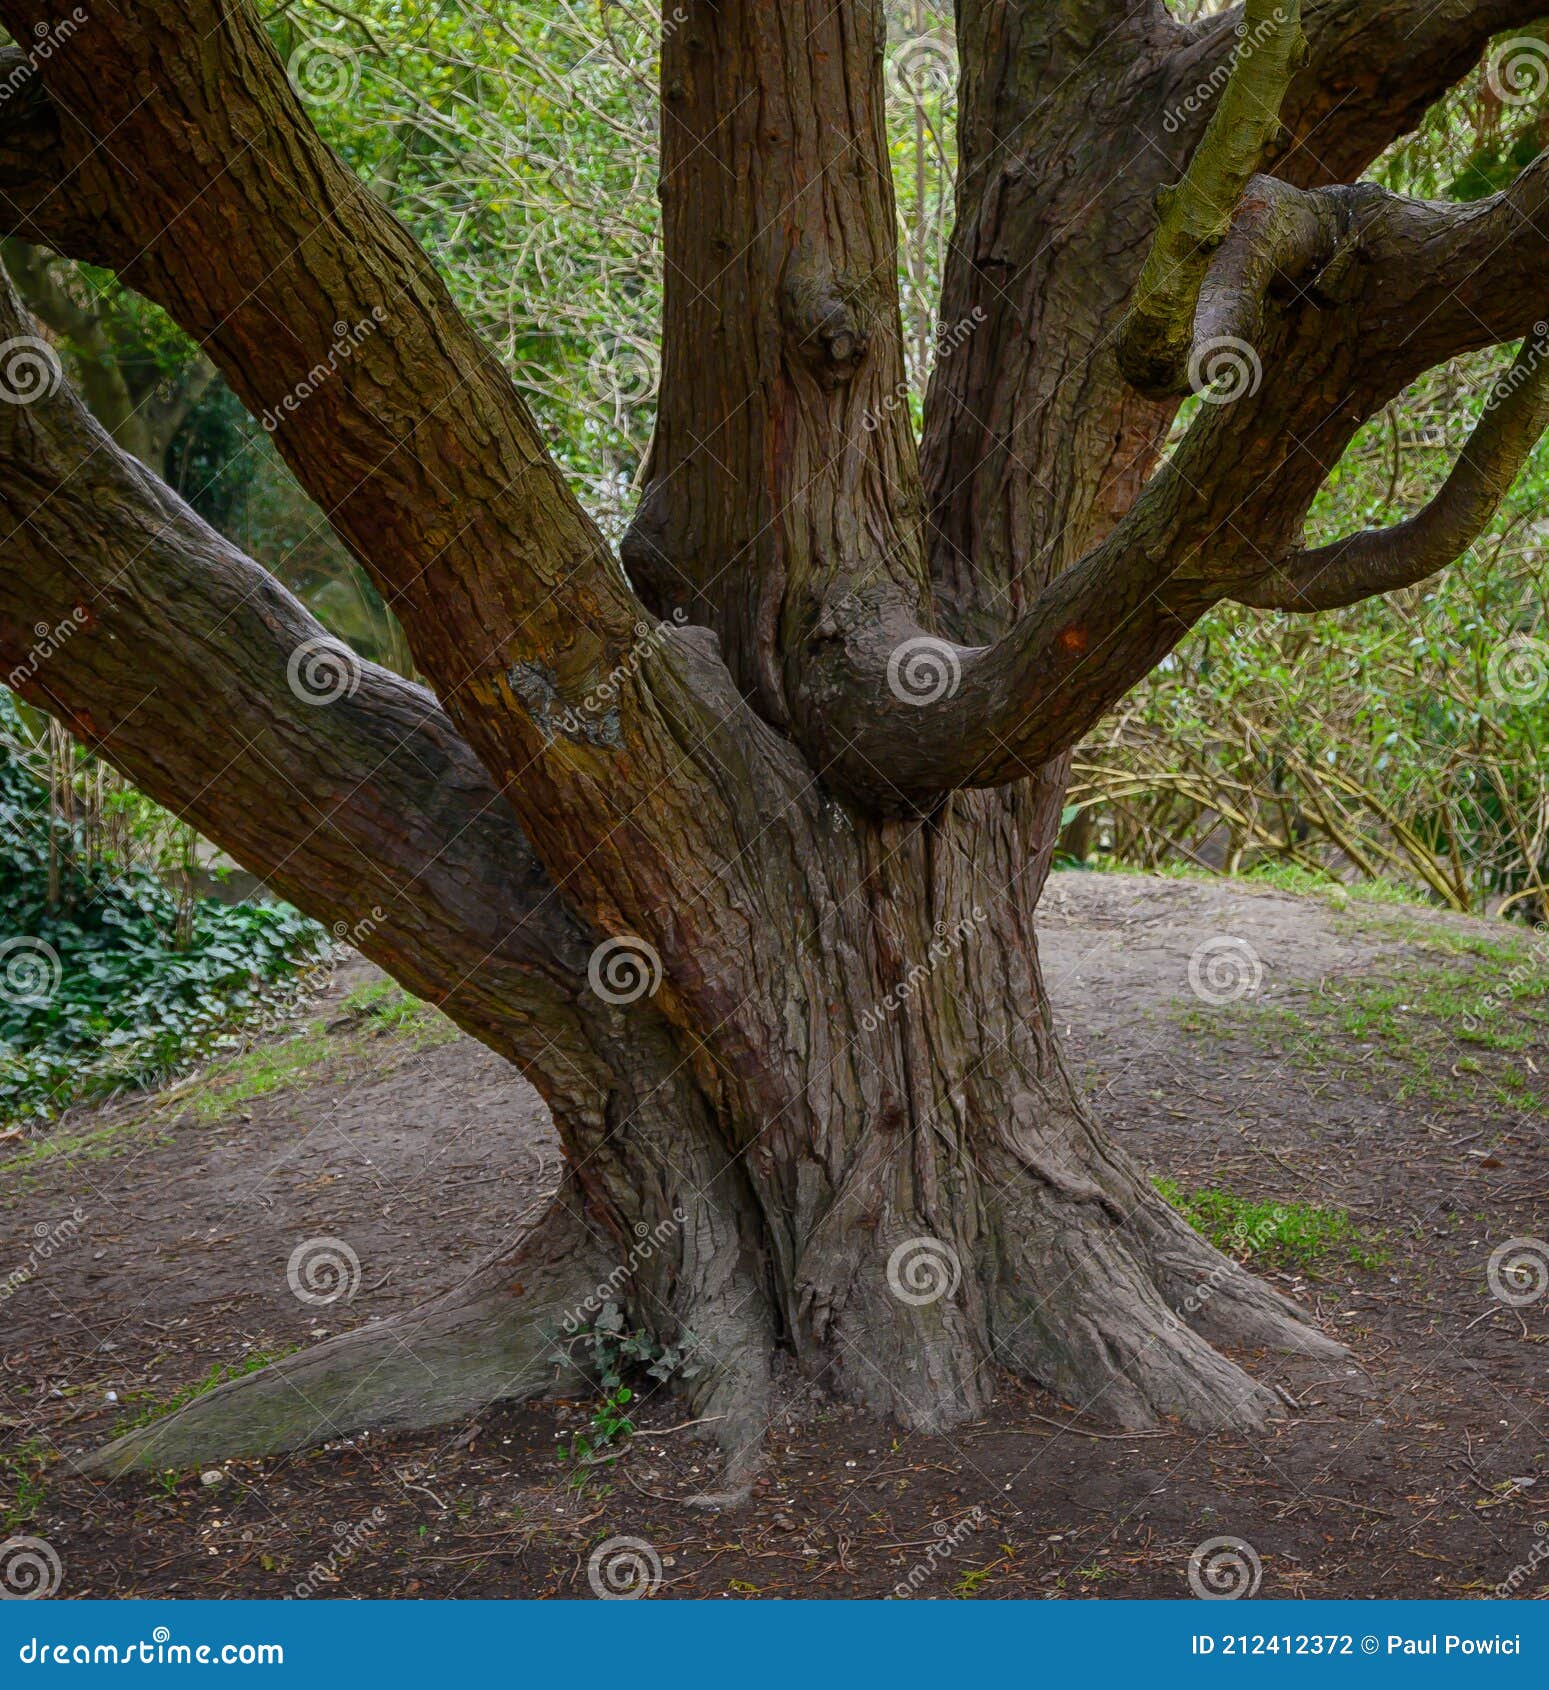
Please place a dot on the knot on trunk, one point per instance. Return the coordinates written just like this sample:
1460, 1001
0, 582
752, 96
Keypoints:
823, 321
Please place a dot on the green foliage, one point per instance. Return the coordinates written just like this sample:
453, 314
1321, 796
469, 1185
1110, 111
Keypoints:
23, 1469
612, 1351
1280, 1234
108, 979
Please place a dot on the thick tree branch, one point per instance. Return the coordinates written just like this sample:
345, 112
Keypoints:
327, 318
1383, 560
1157, 335
1374, 68
341, 785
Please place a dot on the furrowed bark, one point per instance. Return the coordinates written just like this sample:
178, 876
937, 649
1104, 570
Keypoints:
348, 790
327, 319
850, 1066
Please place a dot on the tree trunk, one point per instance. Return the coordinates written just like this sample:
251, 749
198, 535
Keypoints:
759, 926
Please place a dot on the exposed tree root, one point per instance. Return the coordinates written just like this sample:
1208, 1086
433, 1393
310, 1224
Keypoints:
498, 1337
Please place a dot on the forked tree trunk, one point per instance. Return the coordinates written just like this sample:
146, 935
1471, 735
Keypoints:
852, 1158
822, 1136
931, 1203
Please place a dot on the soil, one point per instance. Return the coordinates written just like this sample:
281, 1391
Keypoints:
1417, 1468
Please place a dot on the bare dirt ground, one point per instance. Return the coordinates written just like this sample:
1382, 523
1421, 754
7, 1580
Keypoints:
1375, 1060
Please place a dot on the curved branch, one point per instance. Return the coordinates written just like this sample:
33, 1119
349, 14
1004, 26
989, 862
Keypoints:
1374, 69
1384, 560
188, 666
1157, 334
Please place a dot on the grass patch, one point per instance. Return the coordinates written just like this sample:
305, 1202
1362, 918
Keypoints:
1282, 877
22, 1469
257, 1072
385, 1007
1281, 1234
1418, 1031
151, 1409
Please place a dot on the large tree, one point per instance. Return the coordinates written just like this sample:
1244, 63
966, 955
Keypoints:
732, 843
